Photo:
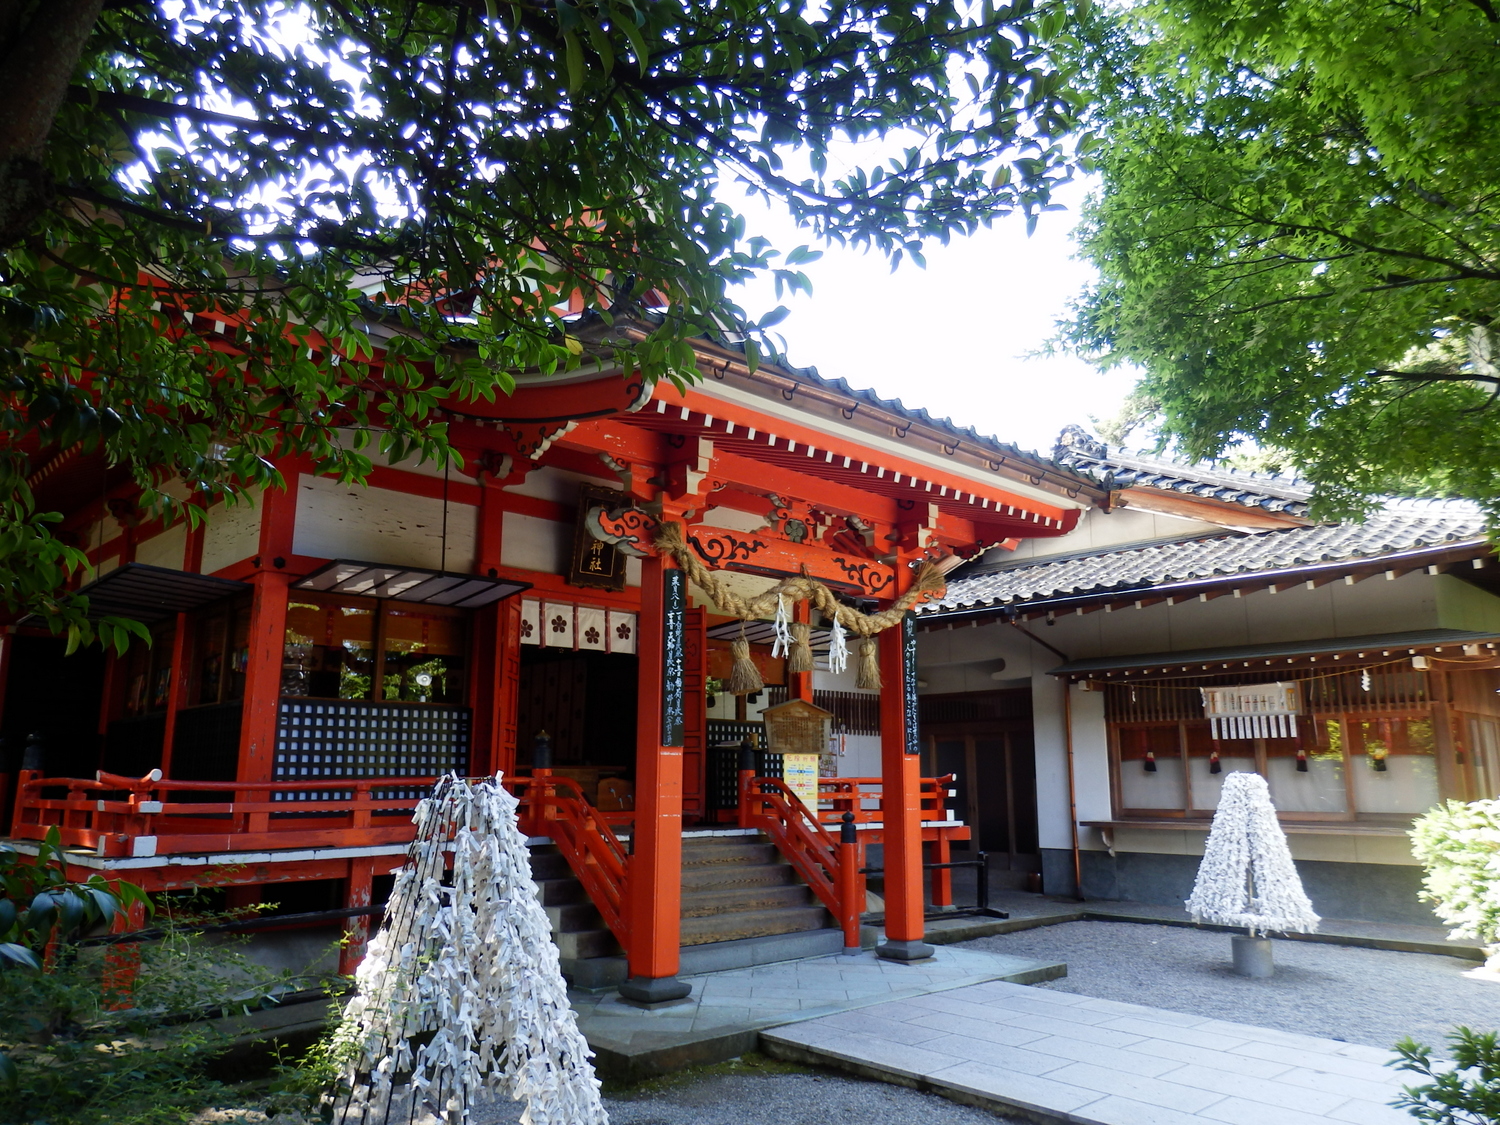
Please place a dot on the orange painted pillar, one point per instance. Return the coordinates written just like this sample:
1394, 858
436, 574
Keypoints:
901, 800
655, 871
357, 894
267, 639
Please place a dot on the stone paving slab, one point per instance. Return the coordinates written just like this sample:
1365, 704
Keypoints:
727, 1010
1062, 1057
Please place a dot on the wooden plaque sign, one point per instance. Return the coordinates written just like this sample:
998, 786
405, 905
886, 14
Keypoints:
594, 564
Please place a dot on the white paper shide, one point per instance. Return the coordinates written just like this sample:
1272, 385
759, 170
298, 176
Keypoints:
460, 999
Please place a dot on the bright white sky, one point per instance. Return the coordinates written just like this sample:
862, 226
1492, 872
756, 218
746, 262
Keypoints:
955, 338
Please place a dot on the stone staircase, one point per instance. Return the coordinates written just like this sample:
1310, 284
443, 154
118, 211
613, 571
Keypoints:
742, 904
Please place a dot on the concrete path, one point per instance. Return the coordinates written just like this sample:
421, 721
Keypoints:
1061, 1057
728, 1009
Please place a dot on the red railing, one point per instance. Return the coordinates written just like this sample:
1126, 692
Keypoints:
863, 797
557, 808
829, 867
126, 816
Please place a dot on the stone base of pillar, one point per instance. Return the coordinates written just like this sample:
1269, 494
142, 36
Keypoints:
904, 950
655, 990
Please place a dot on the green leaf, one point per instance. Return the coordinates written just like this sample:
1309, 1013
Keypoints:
574, 51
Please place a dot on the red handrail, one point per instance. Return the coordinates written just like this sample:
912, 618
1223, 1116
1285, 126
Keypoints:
556, 807
771, 806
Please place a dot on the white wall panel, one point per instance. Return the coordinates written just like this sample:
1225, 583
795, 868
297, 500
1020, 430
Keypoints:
232, 533
531, 543
380, 525
166, 549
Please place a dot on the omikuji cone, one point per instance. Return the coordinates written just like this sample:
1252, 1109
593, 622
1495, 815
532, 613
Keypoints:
744, 677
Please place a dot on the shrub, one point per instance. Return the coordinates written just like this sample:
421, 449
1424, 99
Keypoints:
1459, 845
1465, 1094
95, 1033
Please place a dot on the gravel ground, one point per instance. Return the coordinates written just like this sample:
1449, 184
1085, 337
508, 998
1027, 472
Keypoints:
1371, 996
778, 1099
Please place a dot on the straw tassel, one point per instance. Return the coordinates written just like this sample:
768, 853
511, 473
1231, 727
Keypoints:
868, 676
744, 677
800, 657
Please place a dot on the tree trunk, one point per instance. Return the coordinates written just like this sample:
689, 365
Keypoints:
43, 51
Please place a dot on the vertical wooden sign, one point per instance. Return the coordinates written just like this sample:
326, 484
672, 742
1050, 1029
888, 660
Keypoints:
673, 610
909, 706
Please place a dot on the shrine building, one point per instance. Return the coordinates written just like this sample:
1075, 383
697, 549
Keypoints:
321, 655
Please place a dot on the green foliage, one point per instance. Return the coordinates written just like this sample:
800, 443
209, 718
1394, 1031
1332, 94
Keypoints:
1466, 1094
303, 183
1459, 845
1297, 234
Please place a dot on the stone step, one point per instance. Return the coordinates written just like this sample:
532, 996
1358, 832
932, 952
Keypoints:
560, 892
753, 923
726, 876
549, 863
574, 916
717, 851
704, 903
583, 944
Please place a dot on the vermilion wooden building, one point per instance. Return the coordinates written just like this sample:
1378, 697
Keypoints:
321, 655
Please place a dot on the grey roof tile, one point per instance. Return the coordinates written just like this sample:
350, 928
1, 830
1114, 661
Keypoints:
1123, 468
1403, 525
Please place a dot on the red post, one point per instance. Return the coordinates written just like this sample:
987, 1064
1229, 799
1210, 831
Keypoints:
267, 641
357, 894
177, 690
123, 961
655, 872
851, 884
901, 799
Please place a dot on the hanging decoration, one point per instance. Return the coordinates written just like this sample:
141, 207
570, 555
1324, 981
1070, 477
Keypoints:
461, 999
929, 581
1253, 710
867, 677
800, 659
782, 625
1214, 765
838, 648
1247, 877
1149, 764
744, 676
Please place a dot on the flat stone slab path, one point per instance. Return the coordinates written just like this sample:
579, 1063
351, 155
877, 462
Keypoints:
728, 1009
1058, 1056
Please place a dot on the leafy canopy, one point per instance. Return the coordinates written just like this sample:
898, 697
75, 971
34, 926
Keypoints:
232, 230
1298, 234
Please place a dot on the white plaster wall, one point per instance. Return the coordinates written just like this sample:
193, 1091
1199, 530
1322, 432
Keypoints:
380, 525
1097, 529
970, 659
1375, 605
1090, 755
1462, 606
861, 756
560, 485
734, 519
532, 543
232, 533
1051, 762
166, 549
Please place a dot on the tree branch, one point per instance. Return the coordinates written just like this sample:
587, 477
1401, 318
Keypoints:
1436, 376
167, 111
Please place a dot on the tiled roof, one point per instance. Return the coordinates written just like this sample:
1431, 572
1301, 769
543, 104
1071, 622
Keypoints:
735, 342
1403, 525
1125, 469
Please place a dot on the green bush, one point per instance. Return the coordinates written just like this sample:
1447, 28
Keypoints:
1465, 1094
1459, 845
79, 1044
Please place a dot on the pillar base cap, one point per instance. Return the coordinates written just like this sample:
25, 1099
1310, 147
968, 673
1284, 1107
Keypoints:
904, 950
655, 990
